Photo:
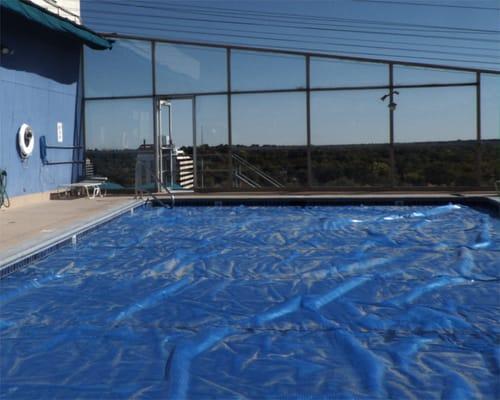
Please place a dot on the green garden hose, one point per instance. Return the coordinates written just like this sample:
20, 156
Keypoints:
4, 197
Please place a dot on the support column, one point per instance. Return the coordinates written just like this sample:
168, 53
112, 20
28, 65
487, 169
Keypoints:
308, 116
391, 126
478, 129
229, 118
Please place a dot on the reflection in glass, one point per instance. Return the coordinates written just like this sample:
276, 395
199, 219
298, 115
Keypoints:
435, 115
490, 162
253, 70
269, 138
190, 69
115, 132
445, 164
177, 151
490, 106
182, 123
118, 124
331, 73
212, 150
123, 71
416, 75
490, 129
349, 117
351, 166
269, 119
269, 167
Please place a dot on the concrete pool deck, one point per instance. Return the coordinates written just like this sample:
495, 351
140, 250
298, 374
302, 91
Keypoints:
26, 227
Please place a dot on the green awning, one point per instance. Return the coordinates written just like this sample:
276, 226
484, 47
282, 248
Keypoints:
51, 21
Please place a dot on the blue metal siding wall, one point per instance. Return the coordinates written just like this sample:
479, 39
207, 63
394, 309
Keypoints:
38, 86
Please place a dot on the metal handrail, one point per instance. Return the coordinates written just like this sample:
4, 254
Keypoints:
247, 180
172, 197
259, 172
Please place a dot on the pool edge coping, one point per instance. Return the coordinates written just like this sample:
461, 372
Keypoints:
46, 247
490, 202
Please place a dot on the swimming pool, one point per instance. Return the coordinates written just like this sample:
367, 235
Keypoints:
261, 302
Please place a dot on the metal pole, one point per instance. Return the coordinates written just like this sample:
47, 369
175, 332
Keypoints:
159, 144
478, 129
229, 116
83, 127
156, 125
171, 145
308, 118
195, 153
391, 125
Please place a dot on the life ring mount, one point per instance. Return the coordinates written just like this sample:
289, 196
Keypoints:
26, 140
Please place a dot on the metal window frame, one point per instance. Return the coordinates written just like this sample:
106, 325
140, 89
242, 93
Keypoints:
391, 86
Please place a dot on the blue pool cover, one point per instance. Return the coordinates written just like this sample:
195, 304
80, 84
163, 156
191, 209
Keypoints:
261, 302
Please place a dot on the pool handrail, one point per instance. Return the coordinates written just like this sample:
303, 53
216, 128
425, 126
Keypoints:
162, 185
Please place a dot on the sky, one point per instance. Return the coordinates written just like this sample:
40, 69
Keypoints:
318, 25
448, 32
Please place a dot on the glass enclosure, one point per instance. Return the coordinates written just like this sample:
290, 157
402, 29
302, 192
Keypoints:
116, 132
269, 140
124, 71
189, 69
327, 73
251, 70
348, 130
208, 117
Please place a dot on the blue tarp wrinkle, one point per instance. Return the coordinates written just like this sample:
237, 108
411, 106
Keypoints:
261, 302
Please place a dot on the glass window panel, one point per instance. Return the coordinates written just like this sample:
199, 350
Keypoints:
269, 138
490, 162
349, 117
125, 70
490, 129
435, 115
439, 128
445, 164
490, 106
190, 69
118, 124
177, 171
327, 72
351, 166
269, 167
269, 119
253, 70
116, 131
182, 123
211, 120
212, 150
417, 75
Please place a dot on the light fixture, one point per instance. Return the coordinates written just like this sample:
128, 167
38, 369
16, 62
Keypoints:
392, 105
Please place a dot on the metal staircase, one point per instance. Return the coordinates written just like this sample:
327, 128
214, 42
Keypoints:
186, 169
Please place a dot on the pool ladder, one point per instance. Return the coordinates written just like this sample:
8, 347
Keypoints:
167, 190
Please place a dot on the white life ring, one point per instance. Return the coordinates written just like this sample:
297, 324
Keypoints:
26, 140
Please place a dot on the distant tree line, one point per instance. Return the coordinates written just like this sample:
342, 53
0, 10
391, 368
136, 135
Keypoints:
437, 164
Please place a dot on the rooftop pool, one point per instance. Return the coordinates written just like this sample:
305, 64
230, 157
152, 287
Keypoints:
261, 302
